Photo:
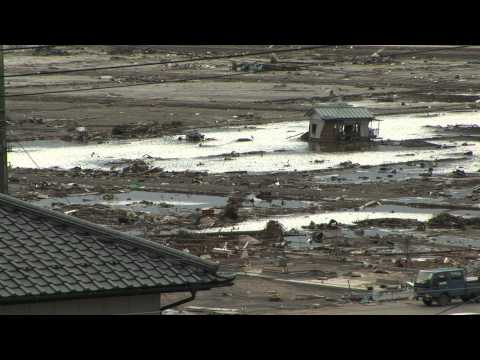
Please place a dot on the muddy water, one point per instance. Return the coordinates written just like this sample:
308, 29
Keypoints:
399, 172
279, 153
140, 201
131, 200
346, 217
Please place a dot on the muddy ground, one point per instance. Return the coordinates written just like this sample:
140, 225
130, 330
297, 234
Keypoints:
441, 79
351, 259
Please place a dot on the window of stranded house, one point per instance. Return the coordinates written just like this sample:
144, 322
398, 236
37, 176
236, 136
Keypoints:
350, 131
314, 129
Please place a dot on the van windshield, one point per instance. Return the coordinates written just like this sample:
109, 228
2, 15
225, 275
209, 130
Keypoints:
423, 277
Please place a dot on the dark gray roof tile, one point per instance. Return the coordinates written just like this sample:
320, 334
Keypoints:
7, 266
133, 283
117, 284
8, 284
32, 290
53, 280
149, 282
111, 276
41, 281
62, 289
104, 285
74, 287
81, 278
15, 275
138, 274
18, 292
45, 290
23, 282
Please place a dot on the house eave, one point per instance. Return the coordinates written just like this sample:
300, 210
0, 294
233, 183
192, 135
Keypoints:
117, 293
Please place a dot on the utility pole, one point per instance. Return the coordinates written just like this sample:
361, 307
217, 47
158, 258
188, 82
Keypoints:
407, 250
3, 130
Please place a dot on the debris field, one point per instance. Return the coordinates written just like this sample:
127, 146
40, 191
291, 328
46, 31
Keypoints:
218, 168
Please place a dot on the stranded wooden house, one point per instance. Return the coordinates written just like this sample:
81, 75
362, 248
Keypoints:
332, 123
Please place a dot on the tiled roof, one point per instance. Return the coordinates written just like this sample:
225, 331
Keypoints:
47, 255
340, 112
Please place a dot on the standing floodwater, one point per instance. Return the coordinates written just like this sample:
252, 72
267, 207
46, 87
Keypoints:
268, 148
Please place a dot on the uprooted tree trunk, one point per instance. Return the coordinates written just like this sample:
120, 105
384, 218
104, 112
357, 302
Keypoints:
231, 210
274, 231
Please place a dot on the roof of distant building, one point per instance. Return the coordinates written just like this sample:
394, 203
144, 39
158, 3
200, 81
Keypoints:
341, 111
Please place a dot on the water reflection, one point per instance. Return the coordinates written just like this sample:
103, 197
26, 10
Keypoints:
272, 149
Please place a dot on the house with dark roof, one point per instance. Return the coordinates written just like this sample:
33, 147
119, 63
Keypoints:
51, 264
339, 122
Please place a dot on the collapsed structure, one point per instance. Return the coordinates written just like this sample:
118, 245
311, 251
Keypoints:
340, 122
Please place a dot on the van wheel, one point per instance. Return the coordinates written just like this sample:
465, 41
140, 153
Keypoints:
427, 302
444, 300
466, 298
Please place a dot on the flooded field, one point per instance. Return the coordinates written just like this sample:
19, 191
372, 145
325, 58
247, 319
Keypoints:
157, 203
348, 217
269, 149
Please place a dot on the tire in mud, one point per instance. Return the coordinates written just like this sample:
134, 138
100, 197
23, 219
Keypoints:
444, 300
427, 302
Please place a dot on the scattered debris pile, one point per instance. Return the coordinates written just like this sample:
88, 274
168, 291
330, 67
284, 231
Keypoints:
260, 67
459, 173
231, 211
389, 223
81, 135
49, 51
142, 130
305, 137
462, 129
411, 143
122, 50
332, 225
373, 59
136, 166
448, 221
274, 231
349, 165
194, 136
110, 216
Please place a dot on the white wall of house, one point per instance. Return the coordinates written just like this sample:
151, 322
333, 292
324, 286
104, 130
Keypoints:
364, 126
315, 120
121, 305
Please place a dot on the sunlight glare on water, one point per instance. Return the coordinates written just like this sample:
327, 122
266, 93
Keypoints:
280, 153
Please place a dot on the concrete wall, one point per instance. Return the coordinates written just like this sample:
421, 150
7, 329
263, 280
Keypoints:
101, 306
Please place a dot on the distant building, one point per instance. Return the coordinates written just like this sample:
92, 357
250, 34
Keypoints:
341, 122
53, 264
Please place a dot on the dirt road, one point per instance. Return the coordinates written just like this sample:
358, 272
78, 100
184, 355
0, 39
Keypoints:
398, 308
